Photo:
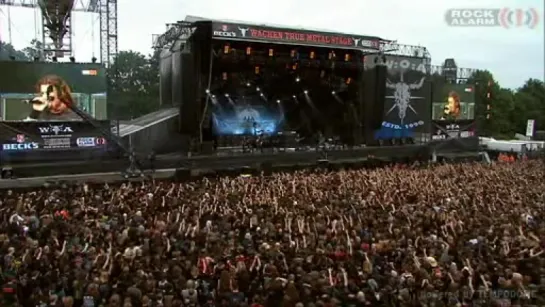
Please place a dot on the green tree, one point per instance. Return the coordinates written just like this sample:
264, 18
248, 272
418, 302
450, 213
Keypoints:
7, 52
133, 85
530, 104
35, 50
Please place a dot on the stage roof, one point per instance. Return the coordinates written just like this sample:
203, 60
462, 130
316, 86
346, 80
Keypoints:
278, 34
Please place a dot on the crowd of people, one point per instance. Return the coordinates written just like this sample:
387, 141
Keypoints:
446, 235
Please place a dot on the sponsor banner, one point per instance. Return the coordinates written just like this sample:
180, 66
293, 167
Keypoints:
530, 127
453, 129
407, 101
50, 136
291, 36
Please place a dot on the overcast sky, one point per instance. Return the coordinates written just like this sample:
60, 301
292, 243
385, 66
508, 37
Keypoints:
513, 55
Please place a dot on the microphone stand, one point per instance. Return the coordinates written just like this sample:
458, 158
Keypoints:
135, 167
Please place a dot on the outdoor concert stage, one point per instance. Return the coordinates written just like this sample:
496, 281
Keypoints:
184, 167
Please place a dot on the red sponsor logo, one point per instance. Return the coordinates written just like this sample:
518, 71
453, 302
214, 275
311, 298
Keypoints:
20, 138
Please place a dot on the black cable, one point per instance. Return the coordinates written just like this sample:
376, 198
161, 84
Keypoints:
135, 164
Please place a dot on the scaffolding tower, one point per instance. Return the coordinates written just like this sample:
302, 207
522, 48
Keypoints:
57, 24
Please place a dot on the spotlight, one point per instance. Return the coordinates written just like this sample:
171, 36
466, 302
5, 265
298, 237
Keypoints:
278, 101
213, 96
293, 96
258, 89
207, 91
297, 79
333, 93
306, 92
227, 95
248, 84
261, 95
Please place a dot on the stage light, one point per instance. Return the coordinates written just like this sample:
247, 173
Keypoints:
293, 96
224, 76
258, 89
312, 54
333, 93
271, 52
248, 50
347, 57
305, 91
278, 101
297, 79
348, 80
213, 96
261, 95
227, 95
248, 84
226, 49
257, 70
207, 91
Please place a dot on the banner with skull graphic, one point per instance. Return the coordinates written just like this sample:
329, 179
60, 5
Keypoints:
407, 101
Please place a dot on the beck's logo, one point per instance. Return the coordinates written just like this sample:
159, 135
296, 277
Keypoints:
56, 129
225, 32
20, 146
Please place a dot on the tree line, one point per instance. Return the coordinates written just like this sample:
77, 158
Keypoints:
133, 90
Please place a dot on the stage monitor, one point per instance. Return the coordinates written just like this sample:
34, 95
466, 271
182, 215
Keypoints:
36, 91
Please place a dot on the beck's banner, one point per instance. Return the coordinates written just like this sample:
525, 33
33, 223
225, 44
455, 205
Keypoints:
235, 31
37, 140
452, 129
407, 101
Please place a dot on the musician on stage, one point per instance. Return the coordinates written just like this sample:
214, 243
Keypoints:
53, 101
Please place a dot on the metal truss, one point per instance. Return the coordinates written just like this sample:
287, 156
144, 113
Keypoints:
393, 48
458, 74
108, 31
180, 31
108, 24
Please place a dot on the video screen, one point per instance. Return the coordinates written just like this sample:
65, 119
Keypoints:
453, 102
33, 91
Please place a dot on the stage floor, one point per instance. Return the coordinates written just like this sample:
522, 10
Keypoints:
220, 160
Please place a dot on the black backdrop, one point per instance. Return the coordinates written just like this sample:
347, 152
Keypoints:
406, 79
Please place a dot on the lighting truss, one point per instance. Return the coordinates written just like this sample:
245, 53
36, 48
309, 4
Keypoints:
180, 31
